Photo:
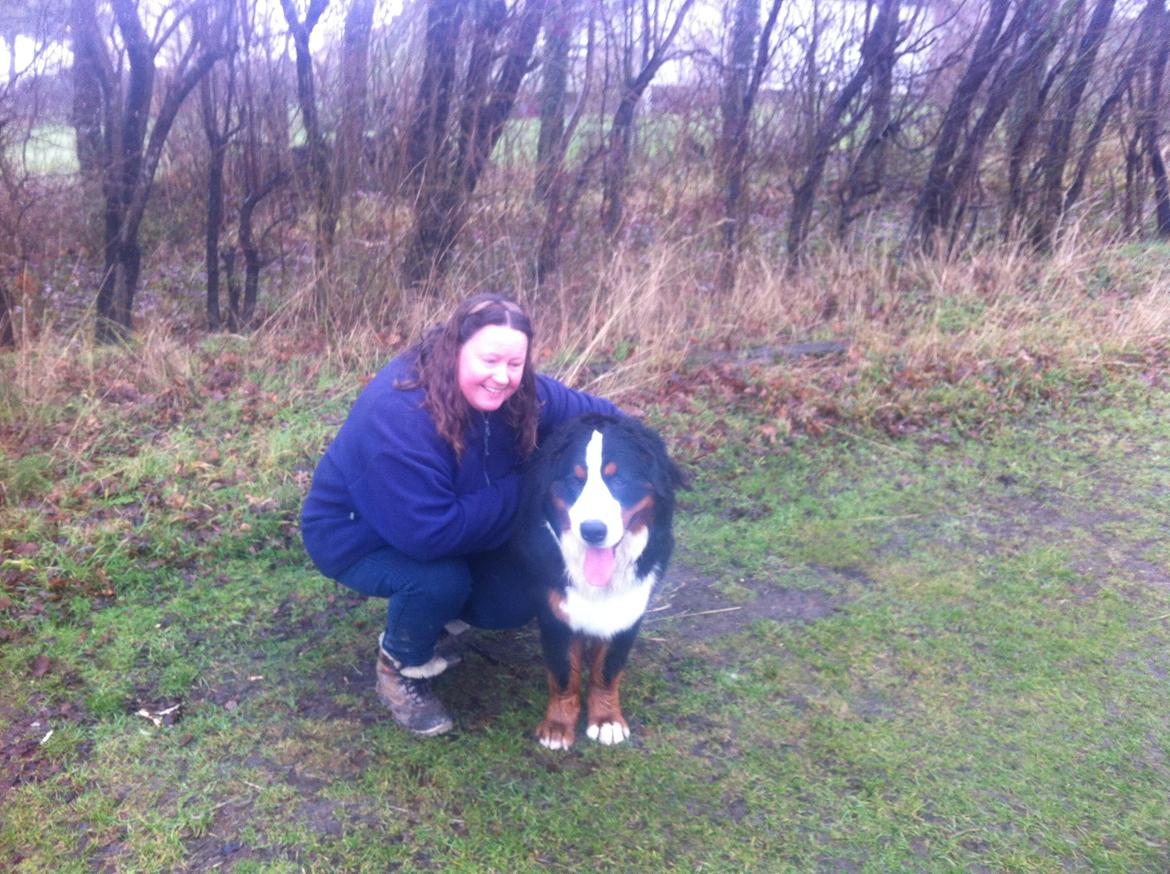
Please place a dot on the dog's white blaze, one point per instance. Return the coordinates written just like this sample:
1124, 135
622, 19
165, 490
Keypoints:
595, 503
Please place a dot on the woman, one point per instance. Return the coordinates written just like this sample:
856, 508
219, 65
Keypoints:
422, 481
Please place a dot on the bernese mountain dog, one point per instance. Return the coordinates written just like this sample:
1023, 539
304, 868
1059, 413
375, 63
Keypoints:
594, 533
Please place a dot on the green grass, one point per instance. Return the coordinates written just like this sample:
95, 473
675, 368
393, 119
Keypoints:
987, 690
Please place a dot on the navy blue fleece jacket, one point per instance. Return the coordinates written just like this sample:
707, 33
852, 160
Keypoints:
388, 478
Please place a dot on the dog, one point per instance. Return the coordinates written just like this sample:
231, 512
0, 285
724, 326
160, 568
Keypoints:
594, 534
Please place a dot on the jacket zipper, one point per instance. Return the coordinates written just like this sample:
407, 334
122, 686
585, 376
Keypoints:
487, 433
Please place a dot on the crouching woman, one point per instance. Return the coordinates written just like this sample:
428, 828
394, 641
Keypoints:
422, 482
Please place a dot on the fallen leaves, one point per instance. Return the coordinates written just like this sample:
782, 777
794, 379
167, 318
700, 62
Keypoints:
41, 666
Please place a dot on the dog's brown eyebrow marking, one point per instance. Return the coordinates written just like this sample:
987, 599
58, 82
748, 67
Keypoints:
610, 469
562, 511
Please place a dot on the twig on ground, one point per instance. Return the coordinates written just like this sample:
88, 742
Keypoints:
689, 614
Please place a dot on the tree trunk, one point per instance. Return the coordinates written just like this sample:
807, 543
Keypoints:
942, 202
617, 165
1152, 123
866, 174
558, 37
1147, 25
355, 65
743, 74
424, 145
733, 135
89, 77
562, 195
621, 132
253, 257
1060, 142
879, 42
936, 200
218, 152
218, 135
486, 103
7, 307
325, 201
129, 157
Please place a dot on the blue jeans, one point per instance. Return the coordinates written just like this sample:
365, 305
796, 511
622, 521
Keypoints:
485, 591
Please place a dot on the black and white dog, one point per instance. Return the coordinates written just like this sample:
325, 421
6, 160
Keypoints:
594, 534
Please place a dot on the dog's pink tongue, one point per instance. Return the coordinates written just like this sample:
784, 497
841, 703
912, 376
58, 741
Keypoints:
599, 563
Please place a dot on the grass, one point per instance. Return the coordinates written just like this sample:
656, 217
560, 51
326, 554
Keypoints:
919, 618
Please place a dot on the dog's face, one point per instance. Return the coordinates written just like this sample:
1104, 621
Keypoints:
606, 490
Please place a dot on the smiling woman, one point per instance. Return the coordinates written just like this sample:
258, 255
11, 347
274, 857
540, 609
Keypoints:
491, 365
422, 481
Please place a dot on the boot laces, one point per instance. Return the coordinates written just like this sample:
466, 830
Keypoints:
418, 690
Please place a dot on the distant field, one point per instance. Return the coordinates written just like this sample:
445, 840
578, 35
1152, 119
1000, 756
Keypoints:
50, 149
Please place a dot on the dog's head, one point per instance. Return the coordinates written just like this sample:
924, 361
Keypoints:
610, 493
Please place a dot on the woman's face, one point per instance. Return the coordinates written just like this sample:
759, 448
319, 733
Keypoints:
491, 363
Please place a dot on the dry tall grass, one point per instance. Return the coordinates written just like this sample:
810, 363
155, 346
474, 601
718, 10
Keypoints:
642, 311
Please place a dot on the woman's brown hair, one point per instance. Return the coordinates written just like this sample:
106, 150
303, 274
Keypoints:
437, 371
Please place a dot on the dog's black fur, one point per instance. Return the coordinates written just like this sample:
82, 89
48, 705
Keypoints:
577, 490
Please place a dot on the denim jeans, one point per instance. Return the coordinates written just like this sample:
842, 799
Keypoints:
483, 590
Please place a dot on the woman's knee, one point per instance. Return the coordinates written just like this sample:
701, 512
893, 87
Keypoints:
445, 581
388, 572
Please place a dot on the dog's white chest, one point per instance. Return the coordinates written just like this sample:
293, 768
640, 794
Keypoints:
606, 612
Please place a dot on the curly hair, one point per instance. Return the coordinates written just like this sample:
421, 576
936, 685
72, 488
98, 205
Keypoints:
436, 357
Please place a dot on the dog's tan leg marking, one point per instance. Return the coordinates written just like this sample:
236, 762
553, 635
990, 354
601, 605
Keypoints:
606, 723
556, 602
559, 727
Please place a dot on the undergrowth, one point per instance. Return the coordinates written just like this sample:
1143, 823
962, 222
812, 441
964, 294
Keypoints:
944, 571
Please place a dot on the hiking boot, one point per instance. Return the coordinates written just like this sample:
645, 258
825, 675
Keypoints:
411, 700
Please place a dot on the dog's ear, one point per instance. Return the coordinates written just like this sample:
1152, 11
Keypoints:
679, 478
665, 476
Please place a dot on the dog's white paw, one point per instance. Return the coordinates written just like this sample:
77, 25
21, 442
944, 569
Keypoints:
609, 733
553, 743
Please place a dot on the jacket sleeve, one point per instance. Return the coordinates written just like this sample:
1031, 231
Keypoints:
413, 506
559, 402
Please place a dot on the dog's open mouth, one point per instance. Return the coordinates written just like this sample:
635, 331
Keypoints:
599, 565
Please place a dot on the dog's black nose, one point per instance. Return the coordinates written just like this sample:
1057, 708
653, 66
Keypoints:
593, 532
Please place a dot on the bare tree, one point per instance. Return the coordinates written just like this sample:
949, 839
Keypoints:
1055, 158
263, 151
325, 197
448, 152
131, 144
877, 47
1146, 26
646, 42
1032, 31
355, 73
558, 37
216, 104
561, 187
748, 55
1151, 123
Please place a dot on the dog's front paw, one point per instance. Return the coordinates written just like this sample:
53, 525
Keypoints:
555, 735
609, 733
